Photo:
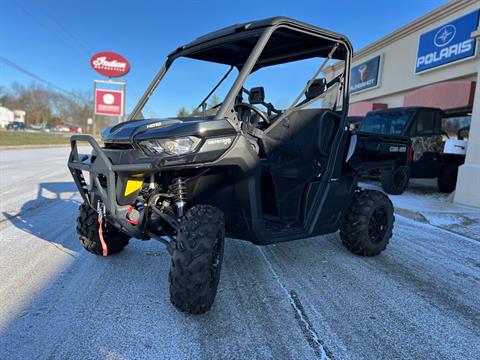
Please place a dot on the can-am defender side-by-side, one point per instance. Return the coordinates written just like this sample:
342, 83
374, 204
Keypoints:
242, 169
433, 154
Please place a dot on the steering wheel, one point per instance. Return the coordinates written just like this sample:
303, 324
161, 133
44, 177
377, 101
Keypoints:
254, 109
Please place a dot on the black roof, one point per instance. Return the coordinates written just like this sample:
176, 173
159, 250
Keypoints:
295, 40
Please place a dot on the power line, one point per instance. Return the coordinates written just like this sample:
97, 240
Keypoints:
29, 73
82, 44
81, 48
49, 29
85, 47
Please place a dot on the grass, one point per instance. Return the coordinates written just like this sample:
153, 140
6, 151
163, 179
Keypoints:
18, 138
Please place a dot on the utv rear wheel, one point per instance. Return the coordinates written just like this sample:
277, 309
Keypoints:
447, 179
87, 228
394, 181
368, 223
197, 259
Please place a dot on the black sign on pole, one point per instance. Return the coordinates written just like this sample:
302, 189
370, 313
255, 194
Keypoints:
365, 75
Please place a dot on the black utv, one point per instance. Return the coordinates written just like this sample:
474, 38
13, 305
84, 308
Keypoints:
433, 154
244, 167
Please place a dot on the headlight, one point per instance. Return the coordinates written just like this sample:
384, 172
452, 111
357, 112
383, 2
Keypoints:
178, 146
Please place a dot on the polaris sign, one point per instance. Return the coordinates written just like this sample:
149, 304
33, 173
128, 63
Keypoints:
448, 43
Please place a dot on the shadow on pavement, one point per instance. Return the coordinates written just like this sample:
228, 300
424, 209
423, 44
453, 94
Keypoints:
38, 216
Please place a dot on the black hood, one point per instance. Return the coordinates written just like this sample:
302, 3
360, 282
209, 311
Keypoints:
137, 130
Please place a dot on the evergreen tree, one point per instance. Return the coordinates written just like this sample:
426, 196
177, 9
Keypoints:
183, 112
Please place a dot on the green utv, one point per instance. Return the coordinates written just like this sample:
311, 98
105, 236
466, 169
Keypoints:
242, 168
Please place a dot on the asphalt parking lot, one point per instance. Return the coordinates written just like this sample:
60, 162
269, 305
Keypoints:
309, 299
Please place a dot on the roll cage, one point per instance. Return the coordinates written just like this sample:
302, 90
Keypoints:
254, 45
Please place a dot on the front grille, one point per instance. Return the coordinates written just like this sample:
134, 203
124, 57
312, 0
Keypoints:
118, 146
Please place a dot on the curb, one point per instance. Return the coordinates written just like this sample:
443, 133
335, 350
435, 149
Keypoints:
20, 147
419, 217
414, 215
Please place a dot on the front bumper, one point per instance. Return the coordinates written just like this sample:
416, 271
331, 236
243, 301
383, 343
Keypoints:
99, 165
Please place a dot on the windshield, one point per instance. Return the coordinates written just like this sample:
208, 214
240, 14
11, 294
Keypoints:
185, 85
192, 87
189, 84
388, 123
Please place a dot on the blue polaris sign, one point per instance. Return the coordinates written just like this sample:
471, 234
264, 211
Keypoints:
448, 43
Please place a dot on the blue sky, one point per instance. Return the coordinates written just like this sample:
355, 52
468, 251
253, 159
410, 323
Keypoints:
55, 39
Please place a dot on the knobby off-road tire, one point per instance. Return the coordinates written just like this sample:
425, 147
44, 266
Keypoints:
197, 259
395, 181
368, 223
447, 178
87, 228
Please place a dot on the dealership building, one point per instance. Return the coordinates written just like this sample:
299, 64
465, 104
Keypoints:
434, 62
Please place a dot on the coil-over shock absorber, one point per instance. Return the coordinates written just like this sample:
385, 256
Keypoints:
179, 190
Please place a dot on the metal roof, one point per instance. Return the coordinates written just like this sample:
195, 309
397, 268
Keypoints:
292, 40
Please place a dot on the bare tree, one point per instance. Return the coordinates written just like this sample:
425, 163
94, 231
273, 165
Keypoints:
43, 105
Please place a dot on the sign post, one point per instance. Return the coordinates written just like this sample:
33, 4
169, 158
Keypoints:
107, 101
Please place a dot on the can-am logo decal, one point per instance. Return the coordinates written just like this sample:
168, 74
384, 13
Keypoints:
448, 43
401, 149
445, 35
110, 64
219, 141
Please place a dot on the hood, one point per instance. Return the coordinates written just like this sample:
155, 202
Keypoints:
137, 130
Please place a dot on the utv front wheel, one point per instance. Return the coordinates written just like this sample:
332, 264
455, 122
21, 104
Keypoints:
368, 223
87, 228
394, 181
197, 259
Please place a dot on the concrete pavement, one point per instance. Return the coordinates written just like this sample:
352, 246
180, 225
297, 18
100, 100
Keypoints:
422, 202
307, 299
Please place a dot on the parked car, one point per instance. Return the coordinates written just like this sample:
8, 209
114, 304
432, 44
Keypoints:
62, 128
433, 154
49, 128
75, 129
16, 125
37, 126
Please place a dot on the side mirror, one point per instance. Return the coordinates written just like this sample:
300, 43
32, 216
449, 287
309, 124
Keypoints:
317, 88
256, 95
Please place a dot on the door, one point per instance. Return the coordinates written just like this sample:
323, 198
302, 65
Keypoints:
297, 150
427, 144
